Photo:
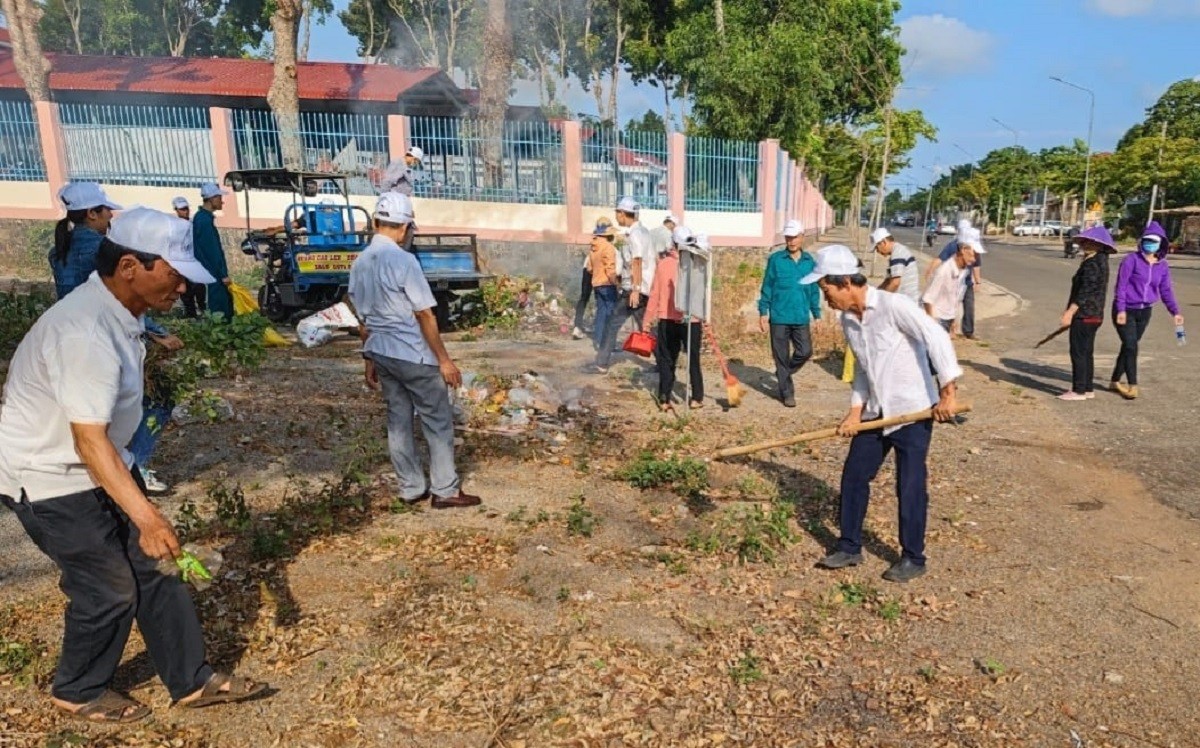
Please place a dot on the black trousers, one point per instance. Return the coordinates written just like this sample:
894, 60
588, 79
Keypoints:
1083, 354
867, 453
666, 354
1136, 321
109, 582
968, 318
195, 299
791, 347
585, 295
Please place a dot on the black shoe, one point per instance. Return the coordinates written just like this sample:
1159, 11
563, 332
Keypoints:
840, 560
789, 402
904, 570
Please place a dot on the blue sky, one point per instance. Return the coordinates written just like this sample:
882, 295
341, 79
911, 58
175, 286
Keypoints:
971, 60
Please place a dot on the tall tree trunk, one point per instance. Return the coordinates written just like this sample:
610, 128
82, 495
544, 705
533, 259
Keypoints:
616, 69
284, 96
495, 80
719, 12
306, 37
33, 67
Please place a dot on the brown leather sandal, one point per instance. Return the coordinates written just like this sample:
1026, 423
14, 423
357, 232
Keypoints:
110, 708
224, 689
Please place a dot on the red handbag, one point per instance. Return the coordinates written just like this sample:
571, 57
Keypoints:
640, 343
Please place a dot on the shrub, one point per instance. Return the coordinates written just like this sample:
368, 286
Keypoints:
18, 312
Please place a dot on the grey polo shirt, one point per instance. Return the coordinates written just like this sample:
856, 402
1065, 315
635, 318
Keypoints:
388, 288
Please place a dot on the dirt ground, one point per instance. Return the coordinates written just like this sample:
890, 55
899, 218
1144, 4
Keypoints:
574, 609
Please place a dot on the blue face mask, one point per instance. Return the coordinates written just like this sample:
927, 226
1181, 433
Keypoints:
1150, 246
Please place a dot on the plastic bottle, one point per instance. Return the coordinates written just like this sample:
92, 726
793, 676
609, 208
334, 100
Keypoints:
1180, 337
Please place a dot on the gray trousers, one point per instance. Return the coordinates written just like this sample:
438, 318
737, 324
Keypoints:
968, 317
620, 314
791, 347
420, 387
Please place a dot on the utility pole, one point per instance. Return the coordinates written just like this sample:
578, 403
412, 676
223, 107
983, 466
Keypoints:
1154, 190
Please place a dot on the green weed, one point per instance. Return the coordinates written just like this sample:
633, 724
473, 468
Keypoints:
747, 670
890, 611
580, 519
685, 476
855, 593
18, 312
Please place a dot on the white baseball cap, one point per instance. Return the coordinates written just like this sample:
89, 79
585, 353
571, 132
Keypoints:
702, 241
628, 205
180, 203
672, 218
879, 235
971, 238
683, 236
793, 228
395, 207
963, 226
211, 189
85, 196
416, 153
154, 232
836, 259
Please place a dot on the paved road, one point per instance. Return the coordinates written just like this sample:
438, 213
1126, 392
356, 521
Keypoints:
1155, 436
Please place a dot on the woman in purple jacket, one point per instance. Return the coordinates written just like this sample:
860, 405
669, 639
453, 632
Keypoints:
1143, 279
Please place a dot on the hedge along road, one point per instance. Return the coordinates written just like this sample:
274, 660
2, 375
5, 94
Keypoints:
1154, 437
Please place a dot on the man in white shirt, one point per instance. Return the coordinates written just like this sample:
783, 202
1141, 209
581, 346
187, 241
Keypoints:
637, 259
661, 236
404, 355
893, 343
948, 284
72, 402
402, 176
902, 273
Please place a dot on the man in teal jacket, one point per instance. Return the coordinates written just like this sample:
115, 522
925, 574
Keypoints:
788, 307
207, 246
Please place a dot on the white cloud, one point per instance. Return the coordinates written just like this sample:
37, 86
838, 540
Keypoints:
1130, 8
940, 46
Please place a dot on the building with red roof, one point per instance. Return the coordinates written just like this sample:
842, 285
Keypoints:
239, 83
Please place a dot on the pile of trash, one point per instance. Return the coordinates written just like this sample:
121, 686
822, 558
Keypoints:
529, 402
317, 329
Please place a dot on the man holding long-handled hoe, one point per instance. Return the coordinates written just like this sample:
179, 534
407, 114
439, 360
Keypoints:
893, 343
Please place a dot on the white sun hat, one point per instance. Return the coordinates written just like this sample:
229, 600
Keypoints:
154, 232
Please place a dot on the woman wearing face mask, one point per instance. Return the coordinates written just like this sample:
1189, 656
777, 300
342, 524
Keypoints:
1143, 279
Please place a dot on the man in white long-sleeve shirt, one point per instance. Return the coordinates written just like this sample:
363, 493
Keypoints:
893, 343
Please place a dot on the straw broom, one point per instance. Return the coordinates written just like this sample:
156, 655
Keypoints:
734, 391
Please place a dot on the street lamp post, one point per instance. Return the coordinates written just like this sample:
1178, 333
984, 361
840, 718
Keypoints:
971, 173
1016, 144
1087, 169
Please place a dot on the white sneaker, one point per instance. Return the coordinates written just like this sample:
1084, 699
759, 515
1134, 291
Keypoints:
577, 334
153, 484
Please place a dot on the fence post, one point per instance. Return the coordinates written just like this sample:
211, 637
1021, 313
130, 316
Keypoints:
676, 173
768, 166
572, 140
224, 151
399, 128
54, 150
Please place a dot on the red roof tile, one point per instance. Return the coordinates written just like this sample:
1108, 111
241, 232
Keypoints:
193, 76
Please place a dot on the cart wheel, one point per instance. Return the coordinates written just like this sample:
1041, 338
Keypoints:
271, 305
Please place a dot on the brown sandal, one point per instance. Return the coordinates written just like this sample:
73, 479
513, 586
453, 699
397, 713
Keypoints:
696, 404
110, 708
224, 689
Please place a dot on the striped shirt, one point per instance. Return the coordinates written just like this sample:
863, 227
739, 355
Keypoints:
902, 265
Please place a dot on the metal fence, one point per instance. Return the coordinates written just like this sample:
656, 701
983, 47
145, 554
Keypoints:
464, 161
722, 175
619, 163
20, 146
353, 144
152, 145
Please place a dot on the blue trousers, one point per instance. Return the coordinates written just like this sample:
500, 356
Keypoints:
155, 417
606, 304
867, 453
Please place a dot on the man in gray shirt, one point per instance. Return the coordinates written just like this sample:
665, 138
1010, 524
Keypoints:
404, 355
